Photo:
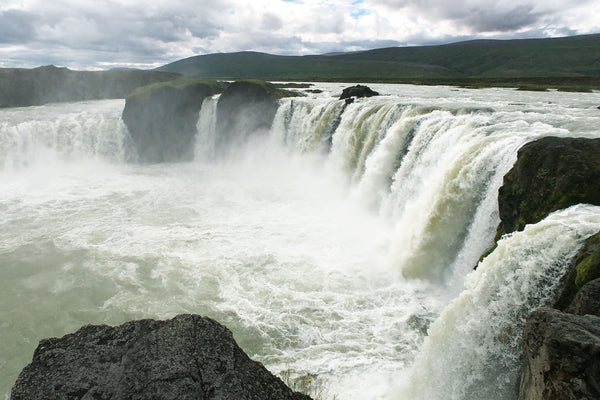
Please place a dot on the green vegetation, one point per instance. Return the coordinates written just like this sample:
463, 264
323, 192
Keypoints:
178, 84
588, 263
571, 64
27, 87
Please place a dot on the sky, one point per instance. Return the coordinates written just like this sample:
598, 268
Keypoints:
105, 34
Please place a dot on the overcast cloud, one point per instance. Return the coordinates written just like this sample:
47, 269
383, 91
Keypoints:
101, 34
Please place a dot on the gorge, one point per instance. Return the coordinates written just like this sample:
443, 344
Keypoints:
337, 241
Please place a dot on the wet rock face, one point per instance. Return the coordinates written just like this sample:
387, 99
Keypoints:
563, 350
161, 120
550, 174
187, 357
587, 300
563, 356
245, 108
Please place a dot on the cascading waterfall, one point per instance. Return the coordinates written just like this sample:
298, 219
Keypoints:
307, 125
95, 130
433, 171
338, 248
206, 127
473, 349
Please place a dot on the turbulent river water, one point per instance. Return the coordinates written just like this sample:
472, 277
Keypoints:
338, 246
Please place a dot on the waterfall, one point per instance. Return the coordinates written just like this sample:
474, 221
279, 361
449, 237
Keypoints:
307, 125
58, 132
338, 245
433, 171
473, 349
206, 128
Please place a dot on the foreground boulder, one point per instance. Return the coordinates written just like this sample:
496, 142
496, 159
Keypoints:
563, 356
550, 174
187, 357
161, 118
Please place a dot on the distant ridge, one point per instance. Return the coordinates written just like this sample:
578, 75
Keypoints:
573, 57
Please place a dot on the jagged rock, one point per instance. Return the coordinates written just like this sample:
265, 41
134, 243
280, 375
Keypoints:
587, 300
187, 357
358, 91
161, 118
550, 174
563, 355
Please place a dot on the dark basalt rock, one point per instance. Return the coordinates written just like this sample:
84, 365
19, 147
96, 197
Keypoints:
587, 300
563, 356
187, 357
550, 174
162, 118
246, 108
358, 91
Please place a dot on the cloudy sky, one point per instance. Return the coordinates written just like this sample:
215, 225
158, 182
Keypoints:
102, 34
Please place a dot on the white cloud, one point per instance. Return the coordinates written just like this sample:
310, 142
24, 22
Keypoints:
94, 33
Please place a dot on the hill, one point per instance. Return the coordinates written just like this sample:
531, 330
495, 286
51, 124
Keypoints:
26, 87
571, 58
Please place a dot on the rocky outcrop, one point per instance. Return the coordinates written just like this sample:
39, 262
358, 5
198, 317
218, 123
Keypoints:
162, 118
352, 92
563, 350
187, 357
245, 108
563, 356
550, 174
587, 300
49, 84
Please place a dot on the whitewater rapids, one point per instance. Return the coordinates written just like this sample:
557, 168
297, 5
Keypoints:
338, 246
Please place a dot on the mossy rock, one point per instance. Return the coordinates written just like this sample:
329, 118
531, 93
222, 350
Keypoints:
246, 108
588, 262
586, 269
162, 117
550, 174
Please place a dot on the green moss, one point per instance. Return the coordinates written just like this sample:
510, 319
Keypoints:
588, 261
586, 269
146, 92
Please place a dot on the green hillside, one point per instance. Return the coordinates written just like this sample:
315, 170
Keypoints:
479, 60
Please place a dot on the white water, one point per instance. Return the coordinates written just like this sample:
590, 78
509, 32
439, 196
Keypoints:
326, 255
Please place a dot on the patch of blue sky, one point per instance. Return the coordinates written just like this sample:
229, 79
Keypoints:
358, 12
357, 9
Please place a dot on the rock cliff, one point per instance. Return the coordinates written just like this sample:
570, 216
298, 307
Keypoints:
550, 174
161, 118
187, 357
246, 108
563, 350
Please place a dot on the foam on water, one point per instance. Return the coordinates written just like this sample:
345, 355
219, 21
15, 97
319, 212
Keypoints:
328, 247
